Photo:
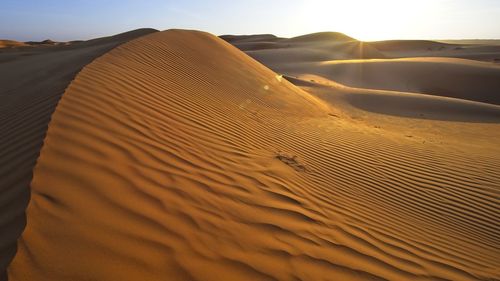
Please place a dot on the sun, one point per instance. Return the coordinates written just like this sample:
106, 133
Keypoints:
366, 20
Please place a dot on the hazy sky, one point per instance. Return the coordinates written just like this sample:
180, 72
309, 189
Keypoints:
365, 20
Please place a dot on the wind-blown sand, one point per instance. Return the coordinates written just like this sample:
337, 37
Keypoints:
32, 80
175, 156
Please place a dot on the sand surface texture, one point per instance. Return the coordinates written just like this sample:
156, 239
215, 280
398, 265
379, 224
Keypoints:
32, 80
176, 156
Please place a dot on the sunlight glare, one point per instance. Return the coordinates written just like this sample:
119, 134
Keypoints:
366, 20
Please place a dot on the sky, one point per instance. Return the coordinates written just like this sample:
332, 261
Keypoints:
64, 20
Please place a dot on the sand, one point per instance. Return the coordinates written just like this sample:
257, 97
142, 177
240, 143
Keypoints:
11, 44
417, 66
176, 156
32, 81
450, 77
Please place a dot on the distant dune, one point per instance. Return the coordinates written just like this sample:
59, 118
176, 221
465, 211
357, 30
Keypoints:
453, 49
403, 104
414, 66
320, 46
321, 37
11, 44
409, 45
457, 78
176, 156
250, 38
473, 41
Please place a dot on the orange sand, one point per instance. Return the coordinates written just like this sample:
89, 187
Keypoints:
177, 157
32, 80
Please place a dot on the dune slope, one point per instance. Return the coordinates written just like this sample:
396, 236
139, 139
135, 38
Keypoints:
31, 82
177, 157
401, 104
450, 77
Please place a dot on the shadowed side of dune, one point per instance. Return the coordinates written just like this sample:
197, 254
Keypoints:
446, 77
424, 106
456, 78
404, 104
408, 45
482, 50
176, 156
31, 82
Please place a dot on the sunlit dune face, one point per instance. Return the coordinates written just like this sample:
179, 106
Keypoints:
368, 20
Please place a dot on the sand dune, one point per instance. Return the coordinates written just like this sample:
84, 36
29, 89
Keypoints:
487, 51
449, 77
11, 44
401, 104
312, 52
322, 46
410, 45
337, 51
482, 50
176, 156
250, 38
32, 81
472, 41
321, 37
399, 65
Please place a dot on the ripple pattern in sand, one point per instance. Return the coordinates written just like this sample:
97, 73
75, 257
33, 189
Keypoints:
175, 157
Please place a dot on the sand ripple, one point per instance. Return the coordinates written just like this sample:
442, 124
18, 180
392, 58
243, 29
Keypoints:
178, 157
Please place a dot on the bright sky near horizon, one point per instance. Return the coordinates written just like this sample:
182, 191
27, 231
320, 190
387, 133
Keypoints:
362, 19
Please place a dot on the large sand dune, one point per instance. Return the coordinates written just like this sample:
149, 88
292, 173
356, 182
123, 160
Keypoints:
31, 82
177, 157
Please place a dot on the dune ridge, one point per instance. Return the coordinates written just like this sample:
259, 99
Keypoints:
32, 81
177, 156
